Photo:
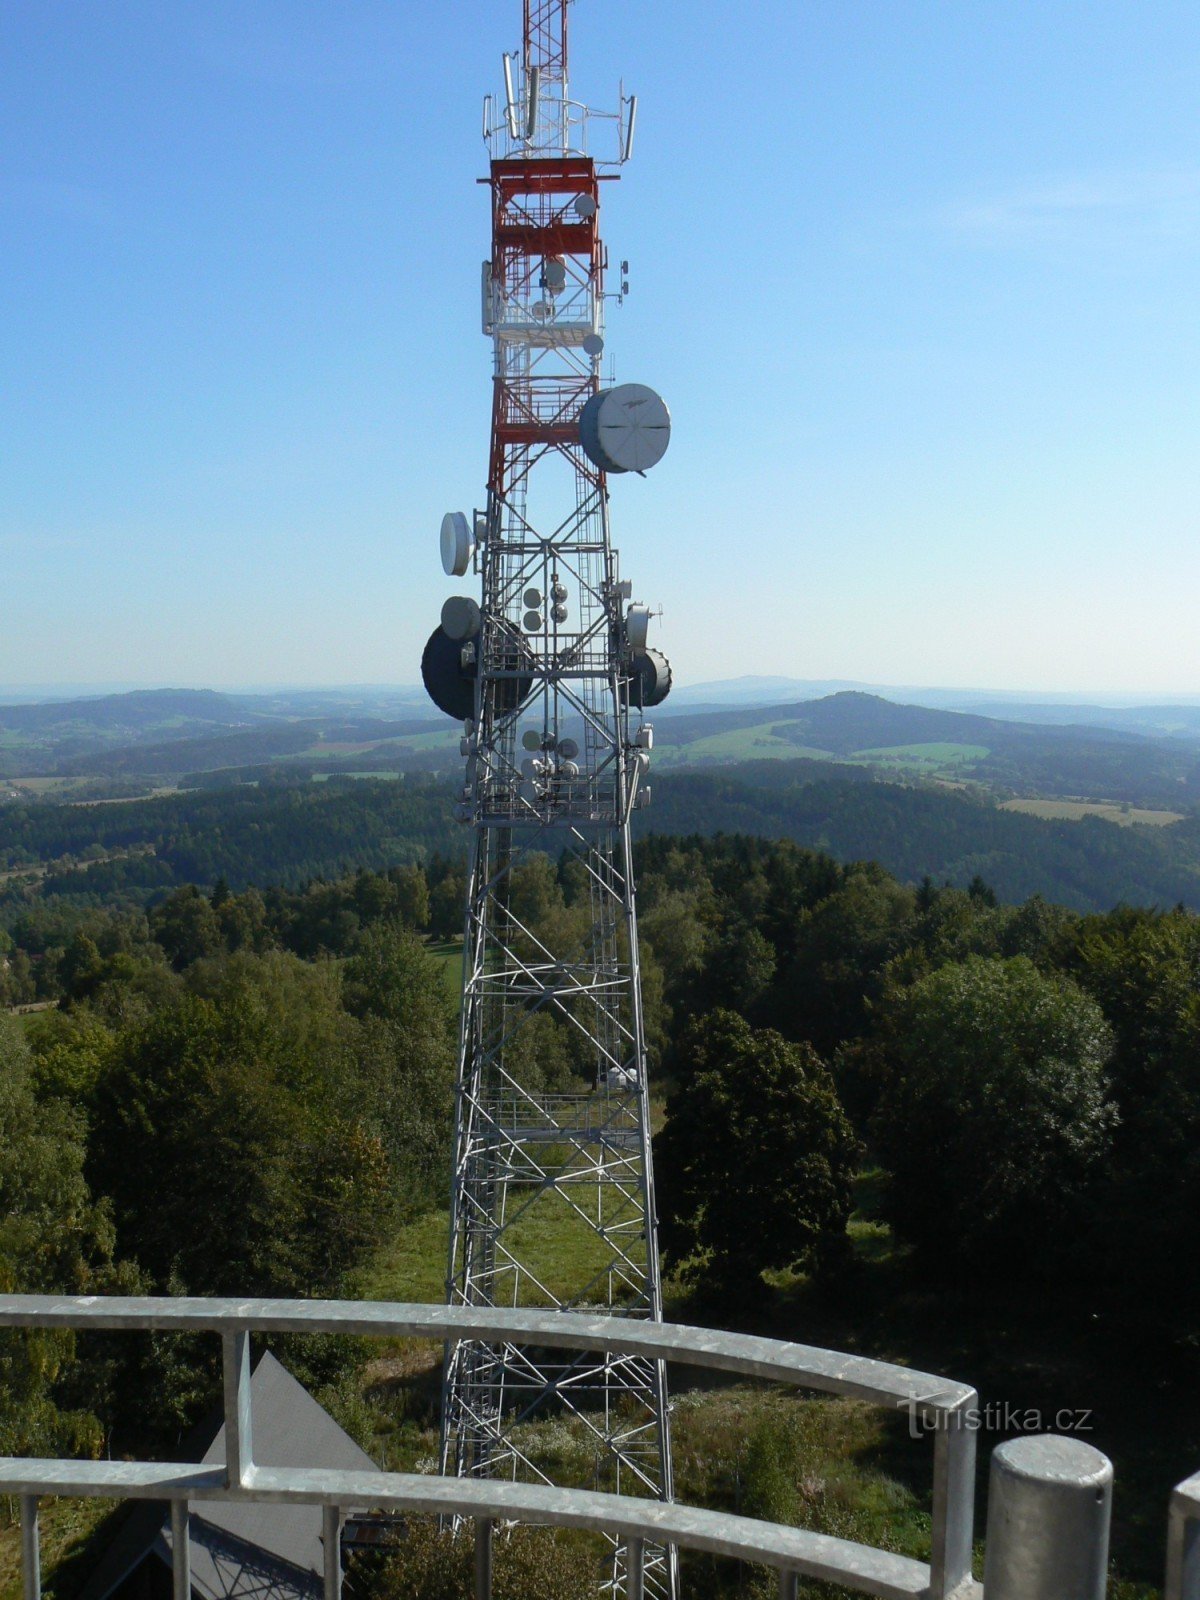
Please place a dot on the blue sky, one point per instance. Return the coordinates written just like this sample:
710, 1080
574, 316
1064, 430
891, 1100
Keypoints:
918, 281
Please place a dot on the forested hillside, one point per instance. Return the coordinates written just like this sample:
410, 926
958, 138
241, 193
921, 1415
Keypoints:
286, 833
250, 1093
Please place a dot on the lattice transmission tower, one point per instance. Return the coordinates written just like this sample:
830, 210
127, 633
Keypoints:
551, 673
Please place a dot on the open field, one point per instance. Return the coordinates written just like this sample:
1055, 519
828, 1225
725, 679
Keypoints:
759, 743
450, 953
933, 755
1073, 810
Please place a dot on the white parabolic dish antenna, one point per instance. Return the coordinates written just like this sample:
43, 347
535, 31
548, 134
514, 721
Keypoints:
626, 429
458, 544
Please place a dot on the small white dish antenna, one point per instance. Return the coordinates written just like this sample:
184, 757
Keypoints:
458, 544
460, 617
532, 599
568, 749
531, 739
559, 614
585, 206
555, 275
533, 622
593, 344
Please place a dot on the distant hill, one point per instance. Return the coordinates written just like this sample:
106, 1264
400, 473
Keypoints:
139, 710
949, 836
1006, 757
148, 738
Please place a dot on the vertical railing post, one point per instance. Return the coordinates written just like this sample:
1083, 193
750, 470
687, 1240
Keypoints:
1183, 1543
181, 1552
239, 1438
331, 1538
483, 1558
953, 1497
635, 1569
1049, 1510
789, 1584
31, 1553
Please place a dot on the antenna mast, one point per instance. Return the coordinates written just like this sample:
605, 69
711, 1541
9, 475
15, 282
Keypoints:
551, 673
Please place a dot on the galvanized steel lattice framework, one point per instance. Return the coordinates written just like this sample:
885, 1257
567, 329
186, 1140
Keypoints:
553, 1198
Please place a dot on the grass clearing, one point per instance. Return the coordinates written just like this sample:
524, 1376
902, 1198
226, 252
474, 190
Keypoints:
450, 953
930, 756
762, 742
1074, 810
72, 1532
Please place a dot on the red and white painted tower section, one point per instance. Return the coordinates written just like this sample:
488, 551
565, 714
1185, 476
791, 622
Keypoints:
550, 668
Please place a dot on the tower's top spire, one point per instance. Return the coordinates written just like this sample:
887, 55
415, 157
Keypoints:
545, 41
535, 117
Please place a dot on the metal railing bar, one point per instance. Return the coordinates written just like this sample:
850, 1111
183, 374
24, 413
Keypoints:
1183, 1542
31, 1555
953, 1503
239, 1438
181, 1552
750, 1355
483, 1558
635, 1570
814, 1555
331, 1541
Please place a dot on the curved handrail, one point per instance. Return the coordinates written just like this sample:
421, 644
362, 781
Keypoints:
815, 1555
749, 1354
943, 1406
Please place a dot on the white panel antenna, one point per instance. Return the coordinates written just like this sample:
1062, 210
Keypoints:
510, 98
631, 124
531, 108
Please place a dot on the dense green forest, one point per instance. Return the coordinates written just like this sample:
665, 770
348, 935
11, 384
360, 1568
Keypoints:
286, 833
249, 1092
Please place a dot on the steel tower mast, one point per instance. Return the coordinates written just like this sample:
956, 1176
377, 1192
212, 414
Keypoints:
553, 1196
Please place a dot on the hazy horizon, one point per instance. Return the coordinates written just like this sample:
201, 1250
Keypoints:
1116, 698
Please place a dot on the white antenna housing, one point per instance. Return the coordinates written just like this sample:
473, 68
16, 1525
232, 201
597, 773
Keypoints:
510, 98
531, 106
631, 124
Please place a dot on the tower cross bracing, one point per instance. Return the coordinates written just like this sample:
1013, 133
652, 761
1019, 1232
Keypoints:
552, 1197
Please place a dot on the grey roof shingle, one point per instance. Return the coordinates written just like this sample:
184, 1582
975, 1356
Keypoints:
239, 1548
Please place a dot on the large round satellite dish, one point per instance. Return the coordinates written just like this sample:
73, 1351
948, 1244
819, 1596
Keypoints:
531, 739
451, 689
533, 622
451, 685
626, 429
651, 681
458, 544
585, 206
568, 749
460, 617
593, 344
532, 599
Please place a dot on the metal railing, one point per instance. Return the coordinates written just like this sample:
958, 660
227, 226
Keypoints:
944, 1408
1183, 1542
